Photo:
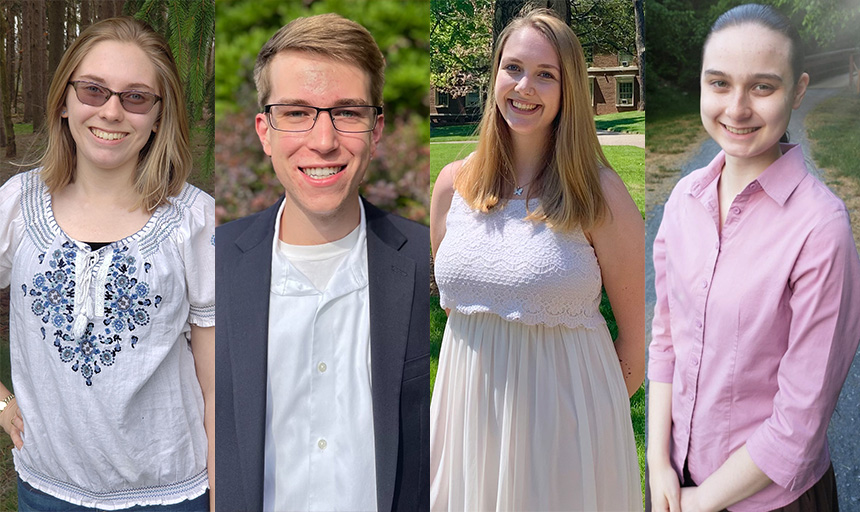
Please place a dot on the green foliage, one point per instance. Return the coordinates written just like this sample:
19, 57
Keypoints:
189, 28
677, 31
400, 30
461, 38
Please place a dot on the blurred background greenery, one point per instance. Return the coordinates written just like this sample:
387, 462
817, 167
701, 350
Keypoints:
398, 177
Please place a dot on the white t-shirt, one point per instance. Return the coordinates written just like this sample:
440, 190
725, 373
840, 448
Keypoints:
101, 364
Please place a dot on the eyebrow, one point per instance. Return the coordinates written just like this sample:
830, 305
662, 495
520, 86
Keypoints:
344, 102
518, 61
758, 76
131, 86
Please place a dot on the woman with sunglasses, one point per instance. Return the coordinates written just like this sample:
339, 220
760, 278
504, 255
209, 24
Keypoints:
110, 258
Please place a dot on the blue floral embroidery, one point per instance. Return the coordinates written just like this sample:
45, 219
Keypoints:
126, 298
54, 292
127, 301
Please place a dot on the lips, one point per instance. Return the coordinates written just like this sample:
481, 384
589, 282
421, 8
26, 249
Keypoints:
523, 107
101, 134
739, 131
320, 173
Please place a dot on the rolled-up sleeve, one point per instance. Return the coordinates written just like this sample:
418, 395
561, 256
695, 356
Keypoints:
824, 335
661, 354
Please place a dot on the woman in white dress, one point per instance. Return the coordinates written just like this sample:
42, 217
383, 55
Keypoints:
530, 408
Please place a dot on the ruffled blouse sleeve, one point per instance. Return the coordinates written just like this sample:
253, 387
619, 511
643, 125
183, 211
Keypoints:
196, 243
11, 226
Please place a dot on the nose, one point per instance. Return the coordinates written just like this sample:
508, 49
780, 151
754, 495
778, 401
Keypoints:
524, 86
739, 106
323, 137
112, 110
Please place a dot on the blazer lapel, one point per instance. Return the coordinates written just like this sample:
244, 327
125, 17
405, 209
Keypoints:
249, 330
391, 288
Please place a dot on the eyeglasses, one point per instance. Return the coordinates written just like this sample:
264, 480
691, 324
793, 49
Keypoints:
302, 118
95, 95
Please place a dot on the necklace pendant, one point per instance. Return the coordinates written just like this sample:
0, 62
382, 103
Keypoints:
518, 191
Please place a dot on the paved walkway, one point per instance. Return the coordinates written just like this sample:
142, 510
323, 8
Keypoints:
606, 139
845, 425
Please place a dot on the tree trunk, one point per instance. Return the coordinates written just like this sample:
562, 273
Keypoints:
639, 9
86, 14
5, 96
104, 9
56, 33
29, 48
506, 10
39, 66
71, 23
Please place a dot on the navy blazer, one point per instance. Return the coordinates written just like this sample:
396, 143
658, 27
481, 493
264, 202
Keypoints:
398, 257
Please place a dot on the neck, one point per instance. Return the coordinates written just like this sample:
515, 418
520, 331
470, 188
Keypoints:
300, 227
742, 171
528, 155
113, 187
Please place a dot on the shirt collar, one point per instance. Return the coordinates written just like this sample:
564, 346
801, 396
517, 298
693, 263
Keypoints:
351, 275
778, 181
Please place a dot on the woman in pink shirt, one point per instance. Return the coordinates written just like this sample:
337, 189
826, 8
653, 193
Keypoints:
758, 289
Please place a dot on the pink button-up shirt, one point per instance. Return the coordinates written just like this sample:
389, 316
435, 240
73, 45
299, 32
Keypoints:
755, 327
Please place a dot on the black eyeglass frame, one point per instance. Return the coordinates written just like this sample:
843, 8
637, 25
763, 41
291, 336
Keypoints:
74, 85
267, 109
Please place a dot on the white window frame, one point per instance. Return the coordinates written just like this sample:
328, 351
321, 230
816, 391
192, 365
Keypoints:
624, 79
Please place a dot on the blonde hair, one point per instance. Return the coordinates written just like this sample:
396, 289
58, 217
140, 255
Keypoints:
569, 184
164, 163
328, 35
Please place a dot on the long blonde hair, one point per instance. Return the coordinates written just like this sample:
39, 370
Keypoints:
569, 184
164, 163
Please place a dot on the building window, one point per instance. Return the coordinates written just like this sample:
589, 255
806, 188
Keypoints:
624, 91
473, 99
441, 99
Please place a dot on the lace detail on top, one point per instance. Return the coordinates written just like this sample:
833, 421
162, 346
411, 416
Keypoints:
499, 262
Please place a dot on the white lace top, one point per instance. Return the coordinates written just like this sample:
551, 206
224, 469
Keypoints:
499, 262
101, 363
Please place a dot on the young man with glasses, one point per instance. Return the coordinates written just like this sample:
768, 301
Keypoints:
323, 339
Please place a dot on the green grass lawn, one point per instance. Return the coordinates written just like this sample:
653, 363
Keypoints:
625, 122
834, 129
629, 163
673, 120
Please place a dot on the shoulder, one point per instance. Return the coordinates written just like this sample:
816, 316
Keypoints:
444, 186
194, 201
232, 230
615, 192
417, 235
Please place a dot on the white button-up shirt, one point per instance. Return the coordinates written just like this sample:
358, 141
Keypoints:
319, 452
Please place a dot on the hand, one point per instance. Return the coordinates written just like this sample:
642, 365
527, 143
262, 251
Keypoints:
665, 489
13, 423
690, 500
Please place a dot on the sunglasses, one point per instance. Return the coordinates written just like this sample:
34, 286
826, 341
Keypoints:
95, 95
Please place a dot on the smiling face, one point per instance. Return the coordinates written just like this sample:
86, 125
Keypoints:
749, 91
528, 84
108, 137
322, 168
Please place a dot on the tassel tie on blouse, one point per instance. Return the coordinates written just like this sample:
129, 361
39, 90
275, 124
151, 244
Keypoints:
85, 306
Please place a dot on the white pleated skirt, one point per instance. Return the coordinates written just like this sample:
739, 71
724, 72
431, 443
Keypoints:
530, 418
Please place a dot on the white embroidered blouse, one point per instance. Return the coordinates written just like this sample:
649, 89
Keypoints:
101, 363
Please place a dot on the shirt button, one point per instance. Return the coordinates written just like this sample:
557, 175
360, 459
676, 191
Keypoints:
322, 367
754, 185
704, 283
694, 361
736, 210
699, 324
322, 444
